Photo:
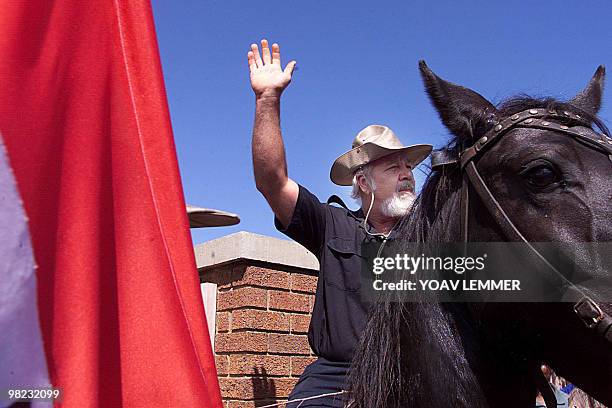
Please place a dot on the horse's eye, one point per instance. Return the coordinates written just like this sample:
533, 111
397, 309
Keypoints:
541, 176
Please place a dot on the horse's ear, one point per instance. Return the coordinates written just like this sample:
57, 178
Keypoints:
463, 111
589, 99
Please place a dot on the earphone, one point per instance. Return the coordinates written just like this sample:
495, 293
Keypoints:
365, 220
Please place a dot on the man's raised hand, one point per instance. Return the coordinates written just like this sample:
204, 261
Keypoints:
268, 79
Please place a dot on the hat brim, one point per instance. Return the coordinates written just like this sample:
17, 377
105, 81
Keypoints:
345, 166
208, 217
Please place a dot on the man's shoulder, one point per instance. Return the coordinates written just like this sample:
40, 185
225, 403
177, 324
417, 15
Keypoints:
338, 215
342, 217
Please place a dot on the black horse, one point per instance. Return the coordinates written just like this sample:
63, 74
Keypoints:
533, 170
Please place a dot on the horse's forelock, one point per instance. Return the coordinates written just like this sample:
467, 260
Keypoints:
520, 103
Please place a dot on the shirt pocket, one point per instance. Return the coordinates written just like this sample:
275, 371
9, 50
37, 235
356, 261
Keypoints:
342, 264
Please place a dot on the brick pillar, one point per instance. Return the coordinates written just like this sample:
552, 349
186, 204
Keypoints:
262, 317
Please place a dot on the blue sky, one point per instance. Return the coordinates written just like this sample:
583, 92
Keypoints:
357, 65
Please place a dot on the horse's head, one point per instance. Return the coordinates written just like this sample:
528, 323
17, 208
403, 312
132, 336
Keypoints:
555, 187
534, 170
531, 170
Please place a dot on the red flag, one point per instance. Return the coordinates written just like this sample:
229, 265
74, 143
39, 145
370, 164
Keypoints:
84, 117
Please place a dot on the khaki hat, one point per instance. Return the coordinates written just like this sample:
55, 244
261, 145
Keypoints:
207, 217
372, 143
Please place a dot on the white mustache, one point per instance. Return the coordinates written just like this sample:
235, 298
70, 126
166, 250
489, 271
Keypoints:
405, 186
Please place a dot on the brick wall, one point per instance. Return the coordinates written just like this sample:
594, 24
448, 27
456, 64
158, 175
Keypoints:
262, 317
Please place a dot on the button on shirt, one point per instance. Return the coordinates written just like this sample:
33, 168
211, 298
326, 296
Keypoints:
335, 236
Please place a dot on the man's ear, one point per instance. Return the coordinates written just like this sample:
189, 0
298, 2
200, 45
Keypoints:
363, 183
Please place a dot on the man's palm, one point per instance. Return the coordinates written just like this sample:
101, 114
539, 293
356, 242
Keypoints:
267, 76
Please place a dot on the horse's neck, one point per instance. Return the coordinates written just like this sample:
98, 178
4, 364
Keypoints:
446, 365
501, 383
472, 372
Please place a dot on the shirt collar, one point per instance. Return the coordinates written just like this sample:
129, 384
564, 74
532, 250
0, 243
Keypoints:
359, 216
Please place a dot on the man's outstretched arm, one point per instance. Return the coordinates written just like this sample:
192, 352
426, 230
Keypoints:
268, 81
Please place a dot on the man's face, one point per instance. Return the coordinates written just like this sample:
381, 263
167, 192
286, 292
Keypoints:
394, 185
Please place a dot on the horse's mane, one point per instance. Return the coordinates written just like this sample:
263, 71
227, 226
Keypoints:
411, 354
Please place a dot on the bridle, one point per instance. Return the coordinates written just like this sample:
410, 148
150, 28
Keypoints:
587, 310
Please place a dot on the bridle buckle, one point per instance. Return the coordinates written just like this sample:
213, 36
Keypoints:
589, 312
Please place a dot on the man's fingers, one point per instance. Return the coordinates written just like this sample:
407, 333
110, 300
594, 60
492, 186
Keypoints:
269, 57
276, 58
265, 50
289, 68
251, 61
255, 52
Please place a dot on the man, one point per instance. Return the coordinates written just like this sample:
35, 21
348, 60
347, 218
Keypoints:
379, 168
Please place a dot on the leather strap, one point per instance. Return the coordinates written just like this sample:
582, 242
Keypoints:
587, 310
441, 158
538, 119
508, 228
594, 318
465, 209
334, 199
495, 209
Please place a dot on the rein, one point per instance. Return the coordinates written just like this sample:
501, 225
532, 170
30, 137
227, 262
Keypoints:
587, 310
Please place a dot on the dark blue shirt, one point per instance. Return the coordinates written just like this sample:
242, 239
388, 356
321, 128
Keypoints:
335, 236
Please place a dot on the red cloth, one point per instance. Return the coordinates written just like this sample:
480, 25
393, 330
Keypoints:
84, 117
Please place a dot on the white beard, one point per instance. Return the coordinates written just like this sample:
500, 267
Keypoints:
398, 205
